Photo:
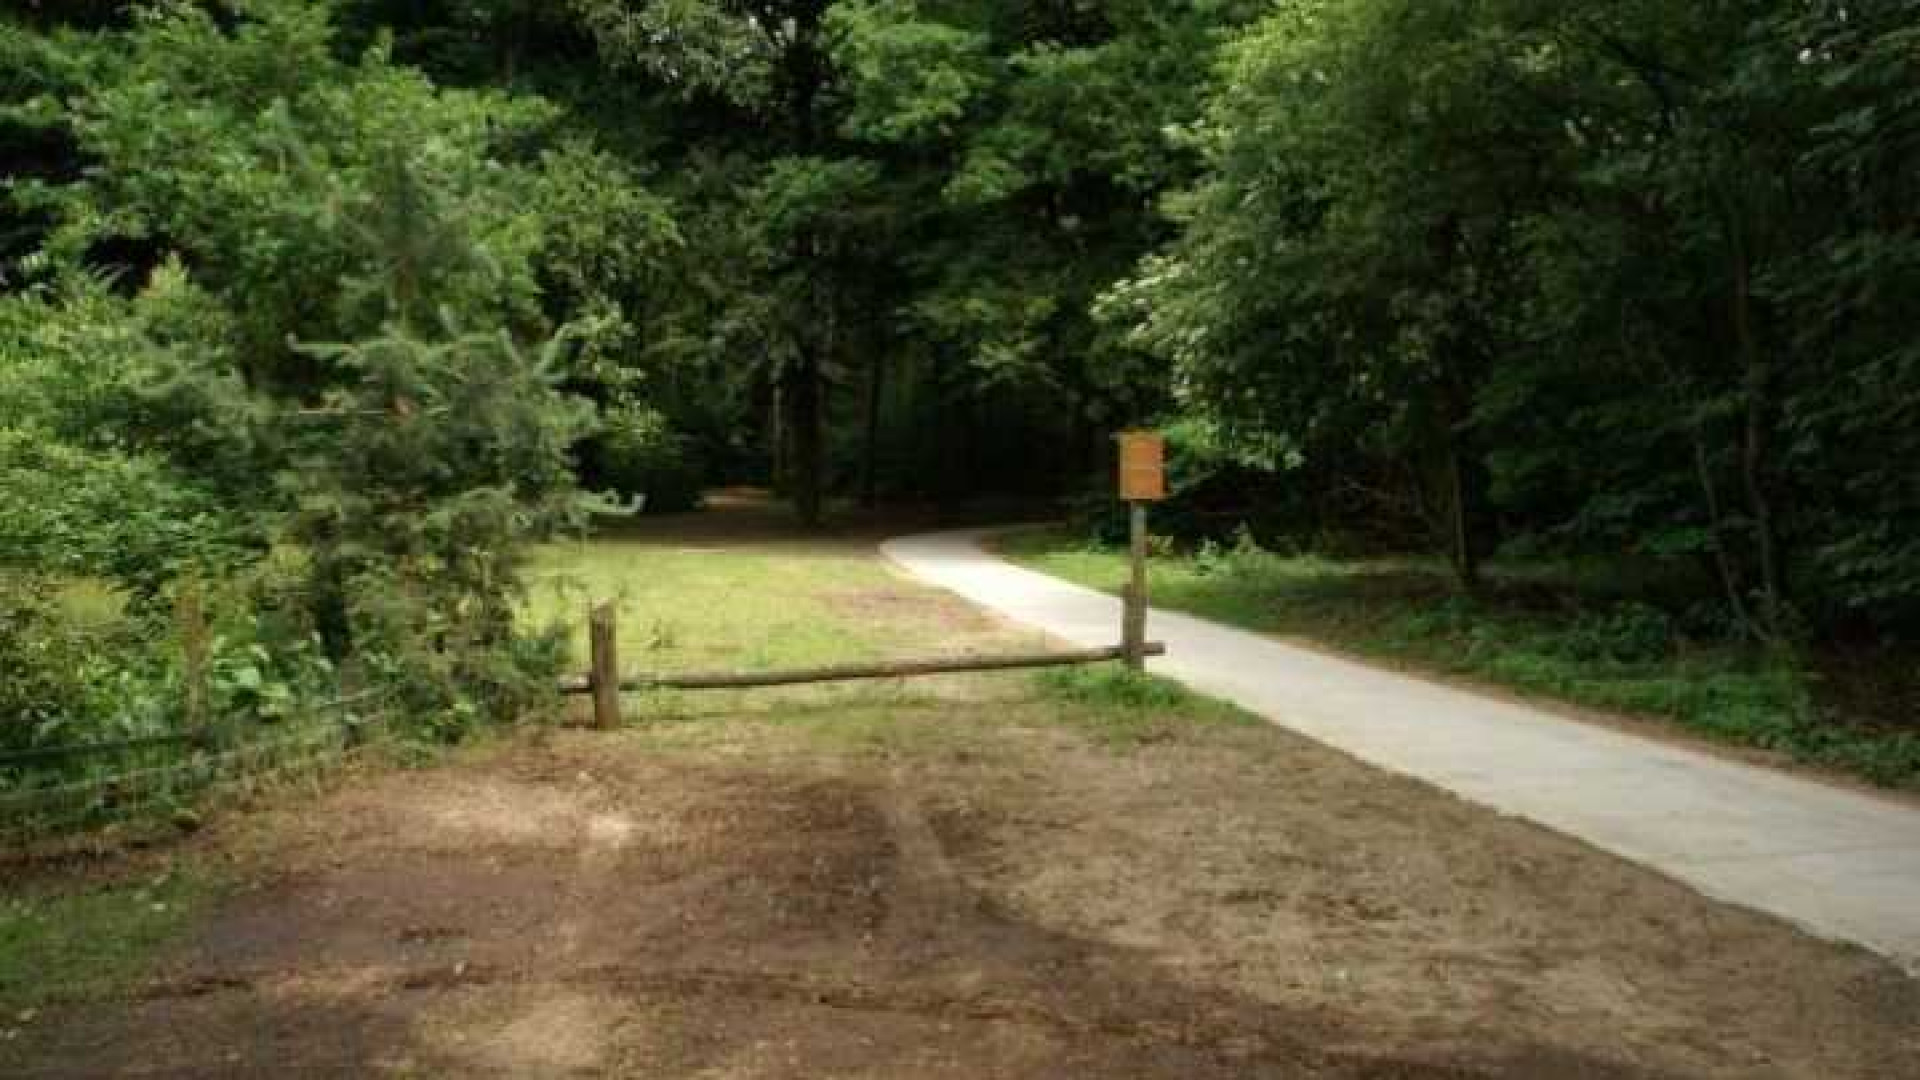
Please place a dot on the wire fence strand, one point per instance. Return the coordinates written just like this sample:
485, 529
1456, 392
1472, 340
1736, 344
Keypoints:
31, 813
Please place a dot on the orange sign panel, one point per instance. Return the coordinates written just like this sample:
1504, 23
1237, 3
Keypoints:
1143, 466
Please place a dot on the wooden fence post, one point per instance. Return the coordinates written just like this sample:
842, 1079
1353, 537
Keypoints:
1134, 627
605, 677
190, 616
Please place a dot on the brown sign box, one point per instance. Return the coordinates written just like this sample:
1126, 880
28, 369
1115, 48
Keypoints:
1143, 466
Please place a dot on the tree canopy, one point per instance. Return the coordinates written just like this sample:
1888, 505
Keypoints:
1607, 276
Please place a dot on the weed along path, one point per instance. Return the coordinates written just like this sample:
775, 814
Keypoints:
970, 877
1843, 864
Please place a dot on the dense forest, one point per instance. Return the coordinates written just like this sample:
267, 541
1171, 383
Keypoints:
333, 307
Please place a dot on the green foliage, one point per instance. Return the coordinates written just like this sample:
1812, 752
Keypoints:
1632, 633
447, 458
692, 46
897, 215
69, 510
908, 78
1127, 710
605, 237
119, 458
639, 455
1595, 276
76, 673
252, 190
39, 654
271, 166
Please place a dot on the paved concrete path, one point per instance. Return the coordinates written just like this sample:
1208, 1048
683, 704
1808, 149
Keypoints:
1842, 864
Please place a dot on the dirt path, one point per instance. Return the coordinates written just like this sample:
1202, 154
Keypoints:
965, 878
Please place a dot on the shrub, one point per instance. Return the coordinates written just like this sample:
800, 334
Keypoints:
68, 510
68, 677
640, 455
1632, 633
39, 653
453, 458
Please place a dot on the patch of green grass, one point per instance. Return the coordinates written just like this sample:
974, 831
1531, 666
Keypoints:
840, 725
696, 609
1569, 633
1117, 687
1126, 709
79, 943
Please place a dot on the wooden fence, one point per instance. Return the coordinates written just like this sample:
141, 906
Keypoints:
605, 684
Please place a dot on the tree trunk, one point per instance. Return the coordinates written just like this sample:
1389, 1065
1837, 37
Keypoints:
510, 54
777, 447
806, 420
870, 446
804, 383
956, 464
1765, 530
1717, 527
1465, 485
1463, 534
1757, 381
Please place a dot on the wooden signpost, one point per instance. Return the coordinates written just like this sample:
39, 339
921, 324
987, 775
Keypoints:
1143, 481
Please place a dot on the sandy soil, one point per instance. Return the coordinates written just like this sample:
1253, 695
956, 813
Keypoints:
984, 892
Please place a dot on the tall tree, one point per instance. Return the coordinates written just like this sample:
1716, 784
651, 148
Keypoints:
1596, 269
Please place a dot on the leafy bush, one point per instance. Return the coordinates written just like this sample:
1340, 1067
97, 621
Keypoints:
130, 517
1634, 633
39, 654
640, 455
68, 678
359, 511
267, 664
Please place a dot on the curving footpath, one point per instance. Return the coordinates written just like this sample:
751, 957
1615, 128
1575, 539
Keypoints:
1842, 864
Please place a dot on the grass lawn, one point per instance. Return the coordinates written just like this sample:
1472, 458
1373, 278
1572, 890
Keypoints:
697, 607
1536, 630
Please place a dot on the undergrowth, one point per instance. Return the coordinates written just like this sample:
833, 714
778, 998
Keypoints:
1583, 635
1126, 709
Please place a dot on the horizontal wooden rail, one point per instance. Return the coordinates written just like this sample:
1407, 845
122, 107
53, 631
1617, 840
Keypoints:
854, 672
